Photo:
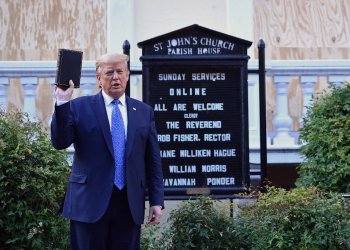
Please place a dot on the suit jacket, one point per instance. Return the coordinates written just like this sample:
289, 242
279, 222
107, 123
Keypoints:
83, 122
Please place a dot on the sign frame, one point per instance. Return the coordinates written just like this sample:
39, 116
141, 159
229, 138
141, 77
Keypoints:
236, 61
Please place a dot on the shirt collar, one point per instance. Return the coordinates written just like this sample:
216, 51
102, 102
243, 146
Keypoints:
108, 99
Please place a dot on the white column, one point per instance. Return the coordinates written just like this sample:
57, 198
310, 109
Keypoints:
282, 120
88, 85
241, 23
308, 84
120, 24
52, 81
253, 114
136, 86
4, 82
29, 86
337, 81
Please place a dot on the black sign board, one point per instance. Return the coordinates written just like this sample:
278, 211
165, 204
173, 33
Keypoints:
196, 81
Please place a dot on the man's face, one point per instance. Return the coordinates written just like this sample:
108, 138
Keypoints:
113, 79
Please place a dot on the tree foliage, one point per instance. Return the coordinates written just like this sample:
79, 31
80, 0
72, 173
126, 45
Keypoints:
32, 182
326, 142
300, 219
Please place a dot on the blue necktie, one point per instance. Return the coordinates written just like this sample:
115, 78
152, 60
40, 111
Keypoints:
118, 139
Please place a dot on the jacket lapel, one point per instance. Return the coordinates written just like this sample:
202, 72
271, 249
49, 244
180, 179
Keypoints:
101, 115
132, 121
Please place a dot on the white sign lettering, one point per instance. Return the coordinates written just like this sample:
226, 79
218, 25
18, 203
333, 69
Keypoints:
182, 169
164, 138
208, 76
214, 168
217, 137
225, 152
195, 153
203, 124
187, 91
191, 115
174, 182
207, 106
221, 181
171, 77
172, 125
167, 153
180, 107
160, 107
185, 137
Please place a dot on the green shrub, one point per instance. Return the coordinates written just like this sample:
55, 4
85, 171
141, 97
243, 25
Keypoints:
32, 181
300, 219
326, 142
297, 219
201, 224
156, 237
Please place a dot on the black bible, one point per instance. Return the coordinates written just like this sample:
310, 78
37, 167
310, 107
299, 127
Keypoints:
69, 64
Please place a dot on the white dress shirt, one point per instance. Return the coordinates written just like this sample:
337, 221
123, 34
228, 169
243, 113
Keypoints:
122, 107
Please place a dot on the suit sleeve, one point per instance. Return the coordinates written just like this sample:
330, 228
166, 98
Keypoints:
62, 126
154, 167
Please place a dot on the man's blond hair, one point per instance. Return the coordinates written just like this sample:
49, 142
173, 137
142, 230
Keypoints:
110, 58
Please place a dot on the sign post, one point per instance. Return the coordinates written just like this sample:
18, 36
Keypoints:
196, 81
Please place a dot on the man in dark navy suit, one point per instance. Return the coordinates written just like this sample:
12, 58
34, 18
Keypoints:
103, 214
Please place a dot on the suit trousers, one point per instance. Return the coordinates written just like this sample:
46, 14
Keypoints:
116, 229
